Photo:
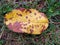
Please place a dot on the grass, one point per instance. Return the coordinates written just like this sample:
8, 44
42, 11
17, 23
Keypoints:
49, 37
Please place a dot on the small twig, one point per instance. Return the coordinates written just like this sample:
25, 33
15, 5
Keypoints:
2, 32
11, 39
55, 22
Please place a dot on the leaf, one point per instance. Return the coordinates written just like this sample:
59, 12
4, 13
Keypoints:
57, 4
1, 42
56, 13
50, 2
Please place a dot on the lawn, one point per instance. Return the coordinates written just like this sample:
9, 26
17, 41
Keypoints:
49, 37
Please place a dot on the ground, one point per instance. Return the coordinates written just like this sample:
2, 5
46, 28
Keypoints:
49, 37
